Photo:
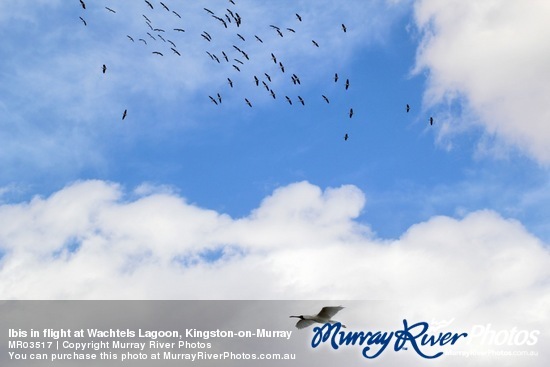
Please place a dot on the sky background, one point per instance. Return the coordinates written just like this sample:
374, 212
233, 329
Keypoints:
183, 191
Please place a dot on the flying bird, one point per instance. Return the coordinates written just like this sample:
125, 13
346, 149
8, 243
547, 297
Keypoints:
323, 317
83, 4
235, 66
347, 84
219, 97
301, 101
179, 29
279, 32
172, 43
295, 77
431, 120
350, 112
104, 68
299, 17
335, 77
241, 37
346, 136
225, 56
272, 93
213, 100
267, 76
282, 67
162, 38
83, 21
111, 10
124, 114
273, 58
144, 41
315, 43
164, 6
131, 39
239, 61
259, 39
408, 107
210, 11
248, 102
288, 99
230, 82
179, 16
146, 19
158, 53
291, 30
325, 98
175, 51
148, 3
344, 28
256, 80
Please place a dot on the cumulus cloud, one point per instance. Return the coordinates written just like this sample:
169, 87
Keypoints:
94, 240
492, 58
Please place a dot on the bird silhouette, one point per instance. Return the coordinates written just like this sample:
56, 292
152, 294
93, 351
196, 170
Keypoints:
344, 28
299, 17
347, 84
272, 93
315, 43
350, 112
346, 137
175, 51
158, 53
408, 107
335, 77
431, 120
213, 100
230, 82
83, 4
124, 114
282, 67
323, 317
248, 102
111, 10
259, 39
148, 3
210, 11
301, 101
241, 37
179, 16
236, 67
179, 29
267, 76
131, 39
83, 21
104, 68
164, 6
325, 98
273, 58
256, 80
288, 99
219, 97
291, 30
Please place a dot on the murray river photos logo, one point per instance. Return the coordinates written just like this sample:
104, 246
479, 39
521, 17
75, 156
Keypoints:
374, 343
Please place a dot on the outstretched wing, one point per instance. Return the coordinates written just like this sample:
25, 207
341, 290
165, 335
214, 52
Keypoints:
304, 323
329, 311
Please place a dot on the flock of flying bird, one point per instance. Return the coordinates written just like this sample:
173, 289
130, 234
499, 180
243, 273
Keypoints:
236, 58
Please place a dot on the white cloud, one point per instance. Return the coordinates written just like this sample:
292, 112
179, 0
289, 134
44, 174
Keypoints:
91, 240
493, 57
94, 240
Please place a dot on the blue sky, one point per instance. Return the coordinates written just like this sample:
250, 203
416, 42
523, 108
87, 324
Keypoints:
235, 202
61, 115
